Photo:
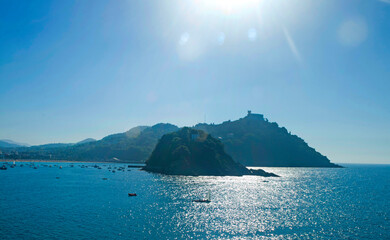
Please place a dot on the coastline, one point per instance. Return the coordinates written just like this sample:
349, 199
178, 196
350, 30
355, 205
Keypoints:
63, 161
69, 161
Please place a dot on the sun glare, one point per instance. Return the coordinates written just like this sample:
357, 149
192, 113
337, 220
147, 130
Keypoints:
228, 7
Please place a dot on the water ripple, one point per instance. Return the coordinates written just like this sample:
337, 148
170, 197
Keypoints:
302, 203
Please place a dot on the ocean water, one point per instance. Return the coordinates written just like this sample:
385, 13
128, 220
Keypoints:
304, 203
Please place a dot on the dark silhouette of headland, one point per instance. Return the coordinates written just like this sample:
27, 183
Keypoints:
254, 141
195, 153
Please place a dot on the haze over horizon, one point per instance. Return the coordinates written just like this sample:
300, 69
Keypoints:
71, 70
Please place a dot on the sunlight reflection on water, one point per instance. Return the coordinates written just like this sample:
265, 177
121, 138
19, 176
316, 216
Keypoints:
302, 203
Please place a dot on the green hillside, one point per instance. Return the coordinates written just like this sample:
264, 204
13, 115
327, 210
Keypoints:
254, 141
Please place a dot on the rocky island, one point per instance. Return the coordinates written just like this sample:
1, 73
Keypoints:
195, 153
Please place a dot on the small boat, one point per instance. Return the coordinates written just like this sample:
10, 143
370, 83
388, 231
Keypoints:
60, 167
3, 167
105, 178
203, 200
132, 194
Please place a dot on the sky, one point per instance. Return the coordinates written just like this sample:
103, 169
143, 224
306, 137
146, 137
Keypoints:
71, 70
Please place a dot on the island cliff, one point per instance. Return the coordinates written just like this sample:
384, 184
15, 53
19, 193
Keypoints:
254, 141
194, 152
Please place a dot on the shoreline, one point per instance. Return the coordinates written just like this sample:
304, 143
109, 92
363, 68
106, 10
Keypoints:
63, 161
70, 161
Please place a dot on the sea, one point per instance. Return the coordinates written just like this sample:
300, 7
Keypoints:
84, 201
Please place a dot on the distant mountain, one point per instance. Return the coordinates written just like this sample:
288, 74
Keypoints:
51, 145
193, 152
6, 143
61, 145
135, 132
133, 145
254, 141
87, 141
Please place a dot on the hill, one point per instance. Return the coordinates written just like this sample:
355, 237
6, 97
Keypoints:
193, 152
133, 145
254, 141
87, 140
6, 143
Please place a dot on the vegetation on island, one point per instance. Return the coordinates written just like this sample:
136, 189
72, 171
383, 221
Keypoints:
194, 152
254, 141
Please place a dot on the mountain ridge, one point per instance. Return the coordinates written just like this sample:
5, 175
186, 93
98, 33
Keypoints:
251, 140
10, 143
254, 141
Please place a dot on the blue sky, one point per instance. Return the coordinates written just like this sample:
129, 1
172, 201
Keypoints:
76, 69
